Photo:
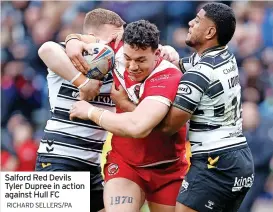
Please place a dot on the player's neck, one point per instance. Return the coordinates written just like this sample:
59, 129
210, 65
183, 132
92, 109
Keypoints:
207, 46
157, 62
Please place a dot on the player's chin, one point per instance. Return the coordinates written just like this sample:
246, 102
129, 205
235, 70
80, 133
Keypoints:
137, 77
189, 42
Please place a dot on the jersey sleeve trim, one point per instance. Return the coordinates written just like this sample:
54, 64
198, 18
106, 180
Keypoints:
185, 103
161, 99
181, 63
182, 108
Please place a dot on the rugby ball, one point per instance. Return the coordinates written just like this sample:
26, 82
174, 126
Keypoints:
100, 58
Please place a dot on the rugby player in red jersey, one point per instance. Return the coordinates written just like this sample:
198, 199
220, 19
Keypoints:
143, 163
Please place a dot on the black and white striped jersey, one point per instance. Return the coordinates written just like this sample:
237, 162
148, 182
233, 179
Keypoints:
211, 92
79, 140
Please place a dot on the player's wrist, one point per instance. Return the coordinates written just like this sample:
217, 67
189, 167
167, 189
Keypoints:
73, 36
90, 112
96, 114
79, 80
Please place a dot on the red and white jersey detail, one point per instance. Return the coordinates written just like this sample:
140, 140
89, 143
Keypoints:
156, 148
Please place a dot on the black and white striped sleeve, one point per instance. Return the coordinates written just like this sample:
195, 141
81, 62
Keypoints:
191, 88
186, 63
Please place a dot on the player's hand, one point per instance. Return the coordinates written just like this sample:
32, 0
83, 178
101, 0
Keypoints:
80, 110
169, 53
74, 49
119, 96
90, 90
116, 36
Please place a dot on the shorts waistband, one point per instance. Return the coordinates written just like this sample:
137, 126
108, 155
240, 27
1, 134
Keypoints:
217, 153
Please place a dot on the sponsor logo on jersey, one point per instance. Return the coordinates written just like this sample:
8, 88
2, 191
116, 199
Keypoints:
184, 89
100, 98
230, 69
161, 77
237, 133
241, 182
233, 81
104, 99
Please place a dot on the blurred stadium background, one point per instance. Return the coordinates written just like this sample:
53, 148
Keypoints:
26, 25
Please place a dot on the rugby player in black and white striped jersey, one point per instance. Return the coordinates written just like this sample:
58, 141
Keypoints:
209, 95
76, 145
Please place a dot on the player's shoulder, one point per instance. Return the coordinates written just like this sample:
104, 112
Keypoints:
168, 68
216, 59
165, 73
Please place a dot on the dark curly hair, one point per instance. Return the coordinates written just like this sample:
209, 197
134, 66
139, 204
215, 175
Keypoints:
224, 19
141, 34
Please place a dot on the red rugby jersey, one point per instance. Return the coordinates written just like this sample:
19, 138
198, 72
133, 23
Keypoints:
156, 148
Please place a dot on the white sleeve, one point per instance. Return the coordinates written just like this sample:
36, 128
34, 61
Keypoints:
191, 88
161, 99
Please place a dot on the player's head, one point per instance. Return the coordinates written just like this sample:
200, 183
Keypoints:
141, 53
102, 23
214, 24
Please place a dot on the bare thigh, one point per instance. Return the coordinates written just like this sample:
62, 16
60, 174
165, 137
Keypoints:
122, 195
155, 207
183, 208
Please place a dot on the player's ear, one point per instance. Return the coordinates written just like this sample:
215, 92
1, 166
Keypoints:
157, 52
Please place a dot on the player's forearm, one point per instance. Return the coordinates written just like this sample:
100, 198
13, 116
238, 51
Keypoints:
166, 128
175, 119
57, 61
122, 124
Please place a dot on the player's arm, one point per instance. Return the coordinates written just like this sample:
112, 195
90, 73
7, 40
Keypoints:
158, 96
57, 61
136, 124
169, 53
53, 55
191, 88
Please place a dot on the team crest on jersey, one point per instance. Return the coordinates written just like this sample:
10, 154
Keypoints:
113, 169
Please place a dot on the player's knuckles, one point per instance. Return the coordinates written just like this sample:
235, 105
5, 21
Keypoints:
71, 117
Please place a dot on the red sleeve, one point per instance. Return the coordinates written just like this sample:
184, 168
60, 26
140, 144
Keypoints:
164, 83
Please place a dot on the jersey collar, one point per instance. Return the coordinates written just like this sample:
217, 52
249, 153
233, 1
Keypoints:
212, 49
